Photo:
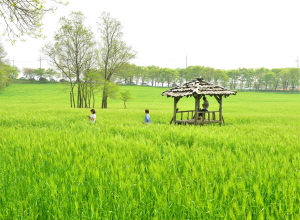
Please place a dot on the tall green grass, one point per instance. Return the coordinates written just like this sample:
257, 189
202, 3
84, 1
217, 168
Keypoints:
54, 164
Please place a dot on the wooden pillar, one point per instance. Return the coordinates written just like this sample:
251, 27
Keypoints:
220, 110
219, 100
176, 99
197, 100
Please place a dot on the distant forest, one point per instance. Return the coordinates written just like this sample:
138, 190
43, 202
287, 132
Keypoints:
239, 79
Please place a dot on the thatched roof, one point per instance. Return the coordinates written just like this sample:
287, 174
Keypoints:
197, 86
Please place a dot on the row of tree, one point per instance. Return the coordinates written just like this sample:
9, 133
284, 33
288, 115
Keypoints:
40, 74
258, 79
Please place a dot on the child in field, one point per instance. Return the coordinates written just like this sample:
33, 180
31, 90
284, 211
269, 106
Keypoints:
93, 116
147, 117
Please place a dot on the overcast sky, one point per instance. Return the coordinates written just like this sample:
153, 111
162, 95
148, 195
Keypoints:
223, 34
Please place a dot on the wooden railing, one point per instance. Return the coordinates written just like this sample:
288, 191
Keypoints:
185, 115
210, 115
206, 116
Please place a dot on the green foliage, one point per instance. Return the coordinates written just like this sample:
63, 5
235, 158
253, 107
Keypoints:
269, 78
7, 73
56, 165
127, 72
112, 90
24, 17
167, 75
125, 96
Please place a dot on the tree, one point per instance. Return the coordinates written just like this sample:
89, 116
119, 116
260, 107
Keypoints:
139, 72
24, 17
224, 78
3, 55
294, 77
40, 74
193, 72
277, 77
248, 76
207, 73
154, 72
127, 72
7, 73
242, 78
269, 79
114, 52
125, 96
3, 79
168, 75
234, 76
181, 74
73, 55
143, 74
218, 75
258, 79
285, 76
50, 73
29, 73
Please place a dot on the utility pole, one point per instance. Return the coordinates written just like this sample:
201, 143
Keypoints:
186, 61
13, 61
297, 61
40, 60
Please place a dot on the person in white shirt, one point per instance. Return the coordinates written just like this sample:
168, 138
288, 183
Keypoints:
205, 104
93, 116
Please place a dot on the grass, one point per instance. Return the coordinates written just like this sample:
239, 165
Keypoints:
54, 164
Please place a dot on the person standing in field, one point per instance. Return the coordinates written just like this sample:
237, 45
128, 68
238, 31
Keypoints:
93, 116
147, 117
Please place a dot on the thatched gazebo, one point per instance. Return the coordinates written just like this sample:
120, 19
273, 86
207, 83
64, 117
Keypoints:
198, 88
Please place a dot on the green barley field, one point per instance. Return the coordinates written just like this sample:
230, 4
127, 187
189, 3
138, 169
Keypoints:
55, 164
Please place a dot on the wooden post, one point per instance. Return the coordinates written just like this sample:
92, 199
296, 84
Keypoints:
197, 99
219, 99
176, 99
220, 109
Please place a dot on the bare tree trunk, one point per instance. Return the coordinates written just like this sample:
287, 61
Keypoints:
104, 97
71, 103
72, 100
93, 95
276, 84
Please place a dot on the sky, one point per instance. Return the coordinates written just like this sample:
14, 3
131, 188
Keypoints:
222, 34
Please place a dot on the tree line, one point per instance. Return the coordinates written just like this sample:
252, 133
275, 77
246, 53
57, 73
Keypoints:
241, 78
